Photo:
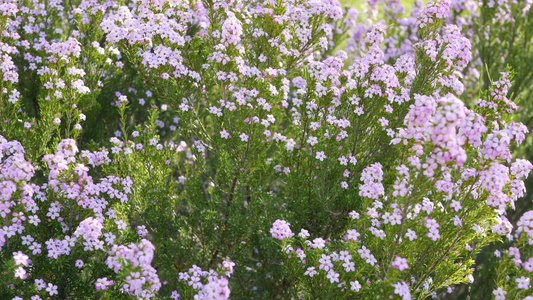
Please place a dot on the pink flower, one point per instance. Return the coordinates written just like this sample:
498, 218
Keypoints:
52, 289
102, 284
400, 263
21, 273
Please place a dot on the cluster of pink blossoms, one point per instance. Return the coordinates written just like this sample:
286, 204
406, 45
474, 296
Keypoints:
68, 178
141, 278
281, 230
208, 284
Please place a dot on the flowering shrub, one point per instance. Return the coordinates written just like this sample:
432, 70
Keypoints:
261, 149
